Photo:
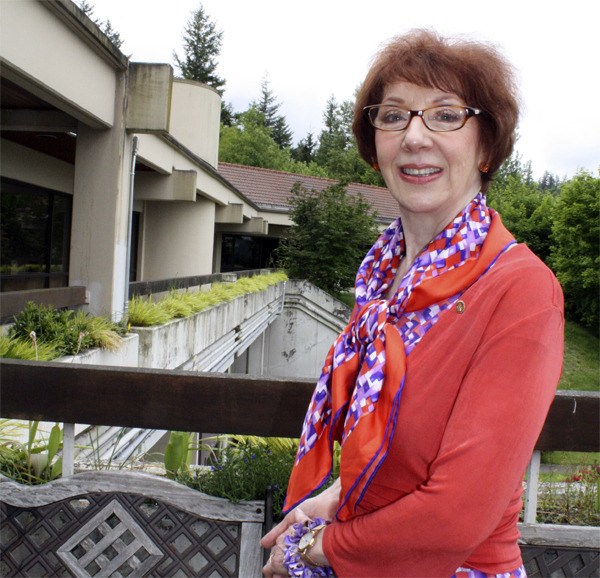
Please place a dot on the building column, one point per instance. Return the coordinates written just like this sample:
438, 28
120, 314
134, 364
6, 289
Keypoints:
100, 212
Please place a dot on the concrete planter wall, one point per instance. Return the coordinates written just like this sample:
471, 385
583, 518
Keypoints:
179, 344
125, 356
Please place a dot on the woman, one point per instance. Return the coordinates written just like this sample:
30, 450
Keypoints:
439, 387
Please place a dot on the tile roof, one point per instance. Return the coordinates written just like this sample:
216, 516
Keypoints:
270, 190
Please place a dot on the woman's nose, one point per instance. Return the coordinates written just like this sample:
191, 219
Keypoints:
416, 134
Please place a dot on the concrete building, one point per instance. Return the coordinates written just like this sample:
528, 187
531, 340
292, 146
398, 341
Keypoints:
109, 168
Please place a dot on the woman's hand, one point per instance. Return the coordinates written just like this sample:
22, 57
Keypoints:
274, 567
325, 505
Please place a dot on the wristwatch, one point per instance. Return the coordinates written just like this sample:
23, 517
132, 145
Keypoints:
306, 543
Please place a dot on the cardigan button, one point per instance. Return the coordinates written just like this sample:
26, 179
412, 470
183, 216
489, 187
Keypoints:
460, 307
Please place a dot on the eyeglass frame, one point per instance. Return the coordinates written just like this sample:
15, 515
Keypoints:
470, 112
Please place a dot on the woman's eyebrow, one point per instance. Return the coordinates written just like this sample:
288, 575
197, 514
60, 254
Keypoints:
442, 99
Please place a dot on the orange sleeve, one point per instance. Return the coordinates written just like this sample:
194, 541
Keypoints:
498, 414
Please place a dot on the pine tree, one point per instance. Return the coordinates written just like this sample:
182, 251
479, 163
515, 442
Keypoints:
304, 151
105, 26
201, 47
276, 123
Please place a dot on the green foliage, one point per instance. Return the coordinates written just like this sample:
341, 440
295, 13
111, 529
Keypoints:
337, 153
581, 359
20, 348
177, 454
575, 255
201, 47
144, 312
249, 142
88, 9
55, 333
526, 211
577, 504
275, 122
34, 462
304, 151
329, 238
244, 470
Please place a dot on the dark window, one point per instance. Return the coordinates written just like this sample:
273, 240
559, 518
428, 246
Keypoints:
35, 226
135, 235
243, 252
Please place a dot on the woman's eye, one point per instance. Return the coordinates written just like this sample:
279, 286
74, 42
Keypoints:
449, 115
392, 116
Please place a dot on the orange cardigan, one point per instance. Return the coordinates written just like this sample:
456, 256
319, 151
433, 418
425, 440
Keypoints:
478, 388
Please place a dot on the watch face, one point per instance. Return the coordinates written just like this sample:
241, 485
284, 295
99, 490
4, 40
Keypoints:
305, 540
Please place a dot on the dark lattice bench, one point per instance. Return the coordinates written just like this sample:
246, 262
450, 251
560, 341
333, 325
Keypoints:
560, 551
112, 524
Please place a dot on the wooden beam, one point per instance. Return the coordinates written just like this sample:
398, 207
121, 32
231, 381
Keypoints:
154, 399
218, 403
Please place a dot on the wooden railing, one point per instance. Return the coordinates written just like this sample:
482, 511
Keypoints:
225, 404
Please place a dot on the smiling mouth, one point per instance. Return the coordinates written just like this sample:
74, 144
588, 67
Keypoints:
420, 172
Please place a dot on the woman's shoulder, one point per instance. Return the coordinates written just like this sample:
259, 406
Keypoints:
520, 273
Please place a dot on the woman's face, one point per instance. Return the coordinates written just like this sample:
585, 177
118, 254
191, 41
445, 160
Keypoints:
432, 175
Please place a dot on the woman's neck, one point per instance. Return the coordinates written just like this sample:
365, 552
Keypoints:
418, 231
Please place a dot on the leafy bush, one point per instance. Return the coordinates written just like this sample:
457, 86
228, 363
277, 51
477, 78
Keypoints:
35, 462
575, 254
332, 231
18, 348
574, 502
245, 469
52, 331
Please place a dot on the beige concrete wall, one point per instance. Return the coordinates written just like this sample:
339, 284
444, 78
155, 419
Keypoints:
101, 215
24, 164
178, 239
195, 118
298, 341
54, 59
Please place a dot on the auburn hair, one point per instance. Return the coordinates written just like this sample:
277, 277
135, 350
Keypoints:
474, 71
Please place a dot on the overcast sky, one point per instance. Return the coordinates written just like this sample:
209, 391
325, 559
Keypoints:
312, 49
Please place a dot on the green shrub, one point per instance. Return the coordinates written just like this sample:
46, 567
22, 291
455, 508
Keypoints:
144, 312
54, 333
17, 348
575, 501
34, 462
245, 469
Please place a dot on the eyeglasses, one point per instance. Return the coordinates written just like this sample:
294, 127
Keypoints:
436, 118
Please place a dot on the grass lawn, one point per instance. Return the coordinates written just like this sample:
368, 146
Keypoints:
582, 372
582, 359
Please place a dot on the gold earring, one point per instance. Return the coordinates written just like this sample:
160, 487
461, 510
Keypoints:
376, 166
484, 167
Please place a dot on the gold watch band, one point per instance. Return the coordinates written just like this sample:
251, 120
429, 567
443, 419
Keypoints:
304, 556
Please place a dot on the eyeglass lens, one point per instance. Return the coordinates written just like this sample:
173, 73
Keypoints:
439, 118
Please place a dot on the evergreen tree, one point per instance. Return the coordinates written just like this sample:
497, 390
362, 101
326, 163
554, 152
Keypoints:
331, 233
281, 132
105, 26
201, 47
550, 183
304, 151
337, 152
275, 122
247, 141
